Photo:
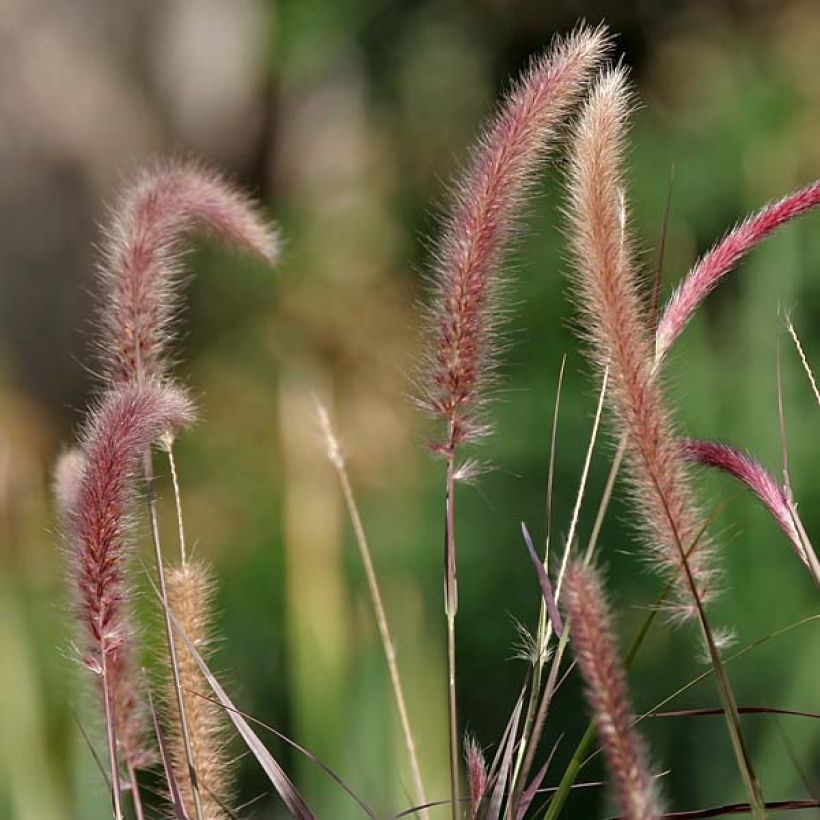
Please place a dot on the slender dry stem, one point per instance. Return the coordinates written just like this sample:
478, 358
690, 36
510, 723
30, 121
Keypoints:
337, 460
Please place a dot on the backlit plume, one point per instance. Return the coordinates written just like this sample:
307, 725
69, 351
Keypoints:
487, 204
717, 262
605, 680
124, 424
615, 323
141, 258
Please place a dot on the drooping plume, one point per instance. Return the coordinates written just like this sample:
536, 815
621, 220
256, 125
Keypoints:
596, 651
615, 323
189, 598
120, 429
487, 206
755, 476
717, 262
141, 267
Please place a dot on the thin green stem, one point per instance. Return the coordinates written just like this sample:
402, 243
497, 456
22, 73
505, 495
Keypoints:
111, 733
450, 609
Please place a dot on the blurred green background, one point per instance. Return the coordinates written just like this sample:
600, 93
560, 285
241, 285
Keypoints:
345, 117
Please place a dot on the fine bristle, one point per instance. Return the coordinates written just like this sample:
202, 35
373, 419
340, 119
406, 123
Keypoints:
614, 321
189, 598
717, 262
97, 501
605, 680
140, 269
487, 206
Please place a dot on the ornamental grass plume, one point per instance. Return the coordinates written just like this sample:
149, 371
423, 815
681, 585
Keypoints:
717, 262
615, 323
141, 270
774, 497
605, 680
464, 319
190, 593
476, 774
100, 484
488, 202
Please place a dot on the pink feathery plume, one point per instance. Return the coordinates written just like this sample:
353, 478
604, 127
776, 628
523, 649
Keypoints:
476, 774
141, 258
717, 262
120, 429
602, 670
614, 321
775, 498
487, 204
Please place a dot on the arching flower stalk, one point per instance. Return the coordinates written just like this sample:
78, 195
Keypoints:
487, 205
775, 498
141, 265
596, 651
96, 490
140, 274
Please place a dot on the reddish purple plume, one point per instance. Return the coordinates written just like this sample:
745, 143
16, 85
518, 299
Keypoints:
486, 209
603, 673
476, 773
141, 260
717, 262
774, 496
126, 422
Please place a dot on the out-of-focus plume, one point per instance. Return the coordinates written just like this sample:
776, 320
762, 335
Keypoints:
189, 591
141, 267
96, 501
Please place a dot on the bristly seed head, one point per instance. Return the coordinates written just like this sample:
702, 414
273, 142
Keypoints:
487, 204
476, 773
96, 491
615, 323
140, 268
596, 651
717, 262
774, 497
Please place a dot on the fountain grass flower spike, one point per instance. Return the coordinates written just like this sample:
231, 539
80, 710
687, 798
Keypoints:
614, 321
464, 319
487, 205
141, 269
774, 497
97, 493
605, 679
705, 276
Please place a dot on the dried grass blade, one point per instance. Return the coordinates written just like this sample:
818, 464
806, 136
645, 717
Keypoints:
494, 810
280, 781
544, 581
